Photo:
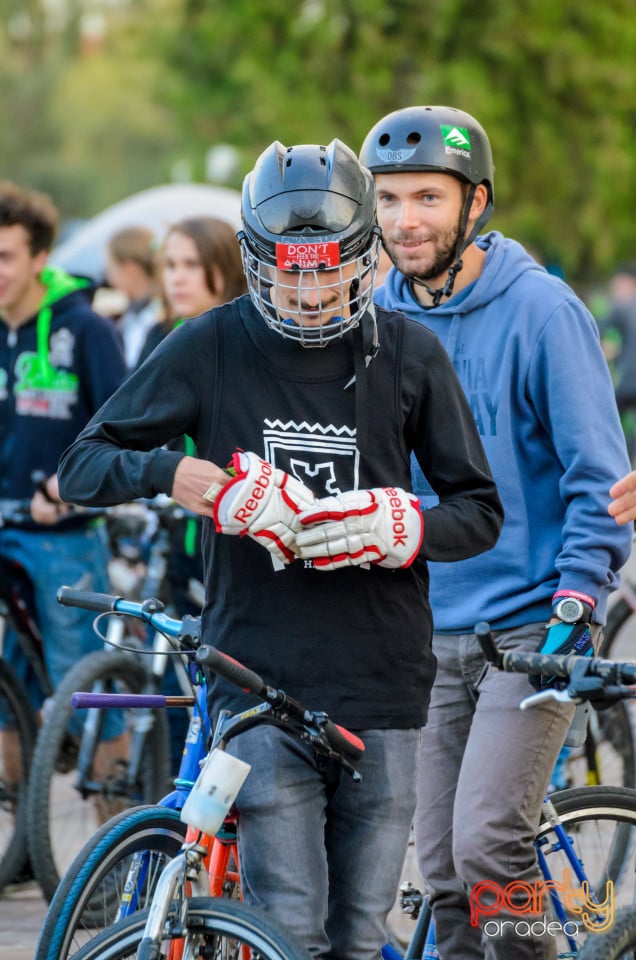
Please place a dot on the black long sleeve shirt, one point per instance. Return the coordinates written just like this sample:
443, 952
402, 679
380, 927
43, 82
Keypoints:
354, 642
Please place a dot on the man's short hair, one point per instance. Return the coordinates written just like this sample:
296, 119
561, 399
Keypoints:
32, 210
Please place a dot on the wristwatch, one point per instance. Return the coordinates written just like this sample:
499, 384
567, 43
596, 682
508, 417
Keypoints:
572, 610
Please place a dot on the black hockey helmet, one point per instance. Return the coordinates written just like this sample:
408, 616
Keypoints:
306, 209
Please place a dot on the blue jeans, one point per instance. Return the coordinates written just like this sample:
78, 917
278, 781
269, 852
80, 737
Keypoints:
53, 558
484, 769
320, 853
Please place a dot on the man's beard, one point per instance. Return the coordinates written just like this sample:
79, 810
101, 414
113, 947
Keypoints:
443, 260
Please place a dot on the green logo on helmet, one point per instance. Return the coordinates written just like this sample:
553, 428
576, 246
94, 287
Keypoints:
457, 137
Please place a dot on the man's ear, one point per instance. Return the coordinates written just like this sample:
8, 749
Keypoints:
39, 261
480, 199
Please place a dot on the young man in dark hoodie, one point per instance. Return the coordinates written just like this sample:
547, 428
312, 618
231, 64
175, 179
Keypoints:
59, 361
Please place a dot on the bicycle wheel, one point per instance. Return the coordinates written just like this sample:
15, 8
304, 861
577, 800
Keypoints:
618, 631
619, 943
62, 817
92, 888
216, 929
18, 730
601, 829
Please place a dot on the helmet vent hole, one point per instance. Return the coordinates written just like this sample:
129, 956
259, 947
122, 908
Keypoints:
414, 137
384, 139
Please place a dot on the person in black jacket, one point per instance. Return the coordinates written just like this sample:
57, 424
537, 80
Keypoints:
315, 548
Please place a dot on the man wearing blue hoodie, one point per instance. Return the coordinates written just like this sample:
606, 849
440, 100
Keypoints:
527, 353
59, 361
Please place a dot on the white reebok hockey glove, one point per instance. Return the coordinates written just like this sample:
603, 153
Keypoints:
262, 503
383, 525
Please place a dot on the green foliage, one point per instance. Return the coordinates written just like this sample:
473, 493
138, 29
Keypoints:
550, 80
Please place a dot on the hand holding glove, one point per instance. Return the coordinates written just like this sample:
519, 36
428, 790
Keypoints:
383, 526
262, 503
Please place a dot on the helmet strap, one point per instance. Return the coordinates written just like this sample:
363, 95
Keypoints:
361, 360
462, 243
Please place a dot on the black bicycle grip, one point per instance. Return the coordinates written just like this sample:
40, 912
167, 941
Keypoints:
86, 599
231, 670
487, 643
627, 673
343, 741
543, 664
613, 671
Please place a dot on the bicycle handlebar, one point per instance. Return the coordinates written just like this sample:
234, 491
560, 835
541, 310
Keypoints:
87, 600
81, 700
235, 672
15, 511
548, 665
609, 672
341, 740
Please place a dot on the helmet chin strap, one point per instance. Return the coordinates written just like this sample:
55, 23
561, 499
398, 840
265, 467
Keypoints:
445, 291
463, 242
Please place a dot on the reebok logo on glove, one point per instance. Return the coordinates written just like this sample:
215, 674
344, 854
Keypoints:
264, 504
384, 526
265, 479
398, 514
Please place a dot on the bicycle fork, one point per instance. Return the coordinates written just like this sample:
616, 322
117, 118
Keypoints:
171, 887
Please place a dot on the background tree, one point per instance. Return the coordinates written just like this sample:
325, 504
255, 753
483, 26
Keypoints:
551, 80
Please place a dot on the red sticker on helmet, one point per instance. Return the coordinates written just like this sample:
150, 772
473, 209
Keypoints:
307, 256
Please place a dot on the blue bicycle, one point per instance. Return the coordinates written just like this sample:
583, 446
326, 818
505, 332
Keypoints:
585, 833
117, 873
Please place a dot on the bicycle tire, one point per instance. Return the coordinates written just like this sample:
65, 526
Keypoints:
90, 891
52, 845
233, 925
617, 617
17, 714
618, 943
601, 827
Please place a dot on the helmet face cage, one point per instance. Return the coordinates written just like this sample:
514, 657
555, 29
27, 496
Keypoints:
273, 290
310, 241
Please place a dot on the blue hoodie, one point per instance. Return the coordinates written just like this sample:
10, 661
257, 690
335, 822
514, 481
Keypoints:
527, 353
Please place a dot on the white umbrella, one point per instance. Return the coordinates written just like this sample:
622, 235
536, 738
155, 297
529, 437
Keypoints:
83, 254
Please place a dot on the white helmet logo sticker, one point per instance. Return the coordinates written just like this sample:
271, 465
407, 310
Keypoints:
394, 156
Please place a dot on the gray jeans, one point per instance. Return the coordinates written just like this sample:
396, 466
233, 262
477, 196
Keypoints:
484, 769
318, 852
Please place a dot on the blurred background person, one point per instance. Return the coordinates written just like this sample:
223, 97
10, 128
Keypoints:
131, 269
200, 267
59, 362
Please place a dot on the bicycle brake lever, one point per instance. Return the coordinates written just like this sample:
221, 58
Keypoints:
562, 696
